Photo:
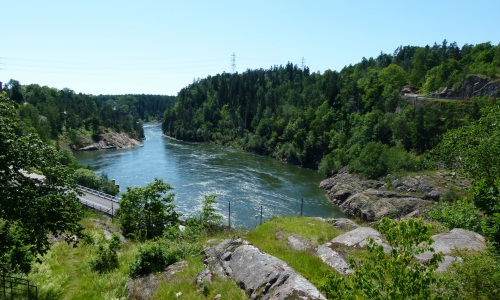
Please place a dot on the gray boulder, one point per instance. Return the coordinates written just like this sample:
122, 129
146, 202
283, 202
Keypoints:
358, 238
333, 258
456, 239
261, 275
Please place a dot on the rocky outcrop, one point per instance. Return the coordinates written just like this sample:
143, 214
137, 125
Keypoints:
261, 275
476, 86
146, 287
110, 140
447, 243
371, 200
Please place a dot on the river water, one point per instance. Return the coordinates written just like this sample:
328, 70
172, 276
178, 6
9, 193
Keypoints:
246, 180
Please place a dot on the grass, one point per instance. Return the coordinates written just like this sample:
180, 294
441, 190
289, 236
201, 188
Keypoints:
66, 273
271, 237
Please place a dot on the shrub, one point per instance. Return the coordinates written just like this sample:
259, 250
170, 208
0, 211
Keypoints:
394, 276
87, 178
476, 277
155, 257
458, 214
106, 259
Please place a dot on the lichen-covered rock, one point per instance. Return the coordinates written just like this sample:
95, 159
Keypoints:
370, 200
261, 275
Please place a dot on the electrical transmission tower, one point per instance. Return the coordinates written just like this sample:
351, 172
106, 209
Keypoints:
303, 65
233, 62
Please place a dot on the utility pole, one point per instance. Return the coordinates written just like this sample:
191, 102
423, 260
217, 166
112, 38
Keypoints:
233, 62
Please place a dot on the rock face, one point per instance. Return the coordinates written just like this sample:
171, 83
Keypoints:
111, 140
145, 287
261, 275
456, 239
474, 86
371, 200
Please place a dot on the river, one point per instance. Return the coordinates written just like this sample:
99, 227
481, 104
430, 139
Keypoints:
246, 180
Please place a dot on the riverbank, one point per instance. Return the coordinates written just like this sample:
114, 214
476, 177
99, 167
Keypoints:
395, 197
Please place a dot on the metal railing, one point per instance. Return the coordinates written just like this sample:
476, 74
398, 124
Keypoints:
110, 211
98, 193
17, 288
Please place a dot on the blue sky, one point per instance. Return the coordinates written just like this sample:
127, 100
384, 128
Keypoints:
159, 47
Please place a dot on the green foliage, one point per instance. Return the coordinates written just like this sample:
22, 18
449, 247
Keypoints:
31, 207
313, 119
457, 214
491, 229
473, 148
108, 186
377, 160
209, 216
476, 277
393, 276
87, 178
107, 258
145, 213
155, 256
487, 195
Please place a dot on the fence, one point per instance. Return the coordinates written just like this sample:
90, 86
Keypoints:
110, 211
259, 216
17, 288
97, 193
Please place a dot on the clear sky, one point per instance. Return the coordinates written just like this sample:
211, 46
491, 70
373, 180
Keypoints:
159, 47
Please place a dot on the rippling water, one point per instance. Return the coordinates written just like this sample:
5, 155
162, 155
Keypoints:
246, 180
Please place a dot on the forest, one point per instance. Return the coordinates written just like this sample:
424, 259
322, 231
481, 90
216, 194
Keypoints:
331, 120
63, 114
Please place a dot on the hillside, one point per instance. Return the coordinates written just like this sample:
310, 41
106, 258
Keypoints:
329, 120
66, 272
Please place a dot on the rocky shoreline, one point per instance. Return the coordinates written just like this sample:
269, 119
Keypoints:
109, 140
408, 196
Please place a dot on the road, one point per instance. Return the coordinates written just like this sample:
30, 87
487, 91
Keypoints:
99, 201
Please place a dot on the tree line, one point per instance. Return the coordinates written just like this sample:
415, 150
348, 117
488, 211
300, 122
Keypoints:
335, 119
63, 114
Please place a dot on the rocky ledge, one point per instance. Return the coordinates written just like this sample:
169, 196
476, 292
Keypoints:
261, 275
110, 140
408, 196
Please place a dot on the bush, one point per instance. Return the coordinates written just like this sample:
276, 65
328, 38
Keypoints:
458, 214
476, 277
371, 162
106, 259
333, 162
87, 178
153, 257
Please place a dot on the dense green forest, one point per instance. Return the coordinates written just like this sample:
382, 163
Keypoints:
56, 114
353, 117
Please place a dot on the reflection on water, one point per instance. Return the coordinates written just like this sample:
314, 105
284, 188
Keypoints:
195, 169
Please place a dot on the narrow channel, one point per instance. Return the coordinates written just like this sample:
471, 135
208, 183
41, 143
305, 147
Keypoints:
246, 180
